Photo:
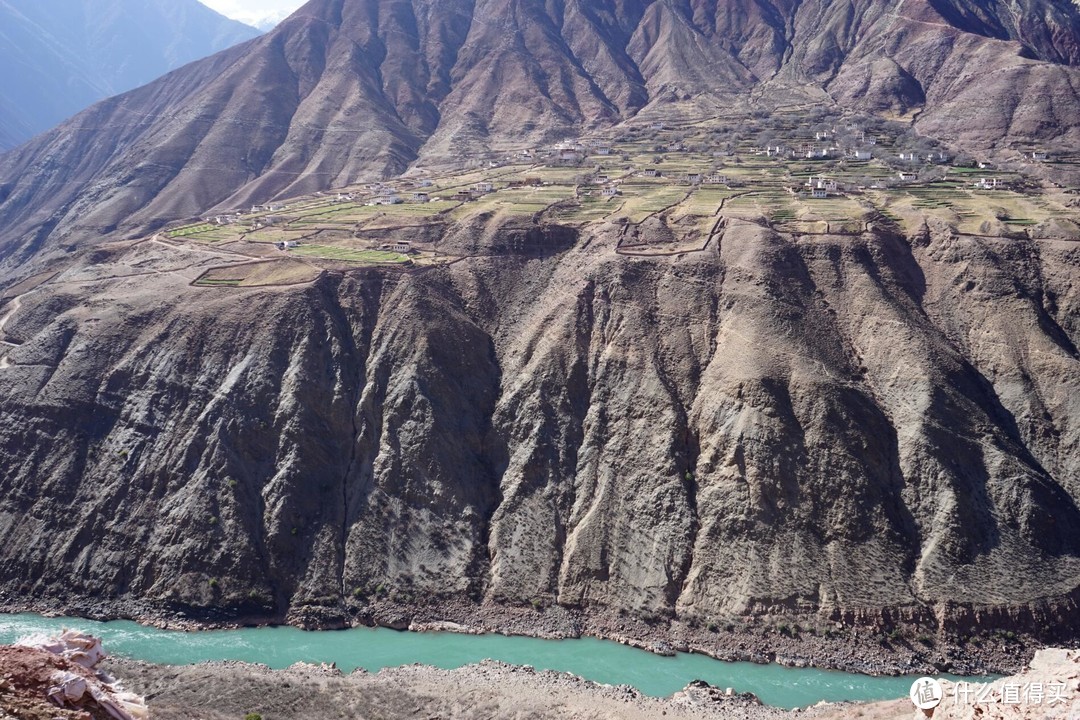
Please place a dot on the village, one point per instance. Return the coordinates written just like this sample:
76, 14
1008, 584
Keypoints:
793, 173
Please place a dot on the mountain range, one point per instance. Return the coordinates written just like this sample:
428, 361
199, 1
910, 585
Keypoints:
870, 427
62, 56
347, 89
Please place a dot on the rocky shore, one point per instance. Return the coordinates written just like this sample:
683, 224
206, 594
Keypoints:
796, 641
493, 690
70, 677
225, 691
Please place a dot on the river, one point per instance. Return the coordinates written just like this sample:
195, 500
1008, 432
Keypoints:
374, 648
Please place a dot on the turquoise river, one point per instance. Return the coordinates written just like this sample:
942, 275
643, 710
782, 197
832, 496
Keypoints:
374, 648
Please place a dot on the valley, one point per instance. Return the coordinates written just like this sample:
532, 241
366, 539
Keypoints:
762, 276
749, 331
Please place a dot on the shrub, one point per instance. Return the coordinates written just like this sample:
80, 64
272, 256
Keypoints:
253, 716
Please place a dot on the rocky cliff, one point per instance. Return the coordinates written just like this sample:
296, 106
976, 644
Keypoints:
866, 428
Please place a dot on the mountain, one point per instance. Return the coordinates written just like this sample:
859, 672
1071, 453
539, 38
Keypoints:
65, 55
851, 422
860, 431
351, 89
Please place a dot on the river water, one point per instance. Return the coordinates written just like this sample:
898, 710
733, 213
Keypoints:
374, 648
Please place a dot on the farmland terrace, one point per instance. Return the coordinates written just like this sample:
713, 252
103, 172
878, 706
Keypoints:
661, 185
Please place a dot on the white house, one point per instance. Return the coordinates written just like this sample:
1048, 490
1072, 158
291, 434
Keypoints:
483, 187
716, 179
568, 157
650, 172
420, 197
907, 177
658, 125
1039, 156
603, 150
386, 200
909, 157
863, 155
819, 193
988, 184
610, 191
288, 244
822, 183
692, 178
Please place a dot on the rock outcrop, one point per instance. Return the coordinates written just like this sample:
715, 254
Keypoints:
867, 429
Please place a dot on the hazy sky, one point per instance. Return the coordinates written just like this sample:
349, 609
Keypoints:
253, 11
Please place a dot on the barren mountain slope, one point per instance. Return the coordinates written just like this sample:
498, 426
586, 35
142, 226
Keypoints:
867, 426
349, 89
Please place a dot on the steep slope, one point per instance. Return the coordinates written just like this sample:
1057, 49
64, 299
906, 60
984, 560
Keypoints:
351, 89
874, 429
63, 56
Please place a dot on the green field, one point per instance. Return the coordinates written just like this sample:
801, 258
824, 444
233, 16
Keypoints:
331, 252
642, 199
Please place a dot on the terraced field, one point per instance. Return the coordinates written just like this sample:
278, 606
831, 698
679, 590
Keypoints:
642, 198
347, 254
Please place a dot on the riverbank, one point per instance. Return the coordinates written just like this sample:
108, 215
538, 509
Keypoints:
489, 690
794, 641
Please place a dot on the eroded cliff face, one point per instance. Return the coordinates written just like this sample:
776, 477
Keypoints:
778, 423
